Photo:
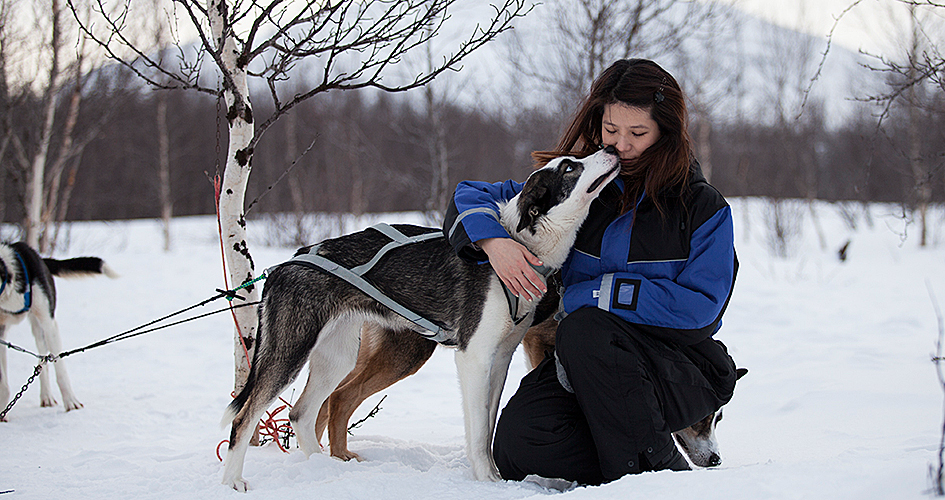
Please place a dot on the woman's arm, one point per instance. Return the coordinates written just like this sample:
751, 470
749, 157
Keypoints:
473, 229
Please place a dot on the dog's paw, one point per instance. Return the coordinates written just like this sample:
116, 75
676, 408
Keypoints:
238, 484
348, 455
47, 401
559, 485
72, 404
487, 476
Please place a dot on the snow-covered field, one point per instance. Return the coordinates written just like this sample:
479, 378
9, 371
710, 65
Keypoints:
841, 401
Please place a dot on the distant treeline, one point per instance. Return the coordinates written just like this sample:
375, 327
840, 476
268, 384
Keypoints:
374, 154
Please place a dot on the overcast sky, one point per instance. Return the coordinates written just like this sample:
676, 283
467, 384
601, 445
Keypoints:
871, 25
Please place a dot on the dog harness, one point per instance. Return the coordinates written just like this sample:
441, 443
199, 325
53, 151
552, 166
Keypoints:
27, 295
355, 276
513, 299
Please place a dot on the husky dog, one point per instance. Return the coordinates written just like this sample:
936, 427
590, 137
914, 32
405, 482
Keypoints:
386, 357
312, 315
699, 440
27, 289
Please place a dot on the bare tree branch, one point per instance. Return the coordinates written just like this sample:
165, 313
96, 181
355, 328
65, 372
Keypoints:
823, 58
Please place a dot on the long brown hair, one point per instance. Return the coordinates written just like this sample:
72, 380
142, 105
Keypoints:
642, 84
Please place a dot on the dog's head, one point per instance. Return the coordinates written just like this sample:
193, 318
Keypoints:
699, 440
555, 200
7, 269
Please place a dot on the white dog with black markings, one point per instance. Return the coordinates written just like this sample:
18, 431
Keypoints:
27, 290
312, 315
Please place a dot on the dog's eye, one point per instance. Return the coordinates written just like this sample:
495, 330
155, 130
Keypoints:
568, 168
533, 211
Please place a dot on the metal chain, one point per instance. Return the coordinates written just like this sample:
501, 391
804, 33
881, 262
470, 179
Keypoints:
36, 372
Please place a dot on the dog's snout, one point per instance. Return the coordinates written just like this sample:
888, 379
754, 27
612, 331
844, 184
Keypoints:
714, 460
611, 149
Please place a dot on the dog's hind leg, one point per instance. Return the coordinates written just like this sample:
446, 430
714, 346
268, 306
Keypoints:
385, 357
334, 356
272, 371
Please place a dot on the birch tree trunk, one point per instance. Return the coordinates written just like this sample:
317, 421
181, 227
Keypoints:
164, 170
164, 142
920, 176
36, 175
52, 200
439, 154
295, 187
239, 156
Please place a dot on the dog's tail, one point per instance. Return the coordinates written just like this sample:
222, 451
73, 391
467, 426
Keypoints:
79, 267
235, 406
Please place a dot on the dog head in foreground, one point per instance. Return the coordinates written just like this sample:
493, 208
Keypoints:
699, 440
558, 193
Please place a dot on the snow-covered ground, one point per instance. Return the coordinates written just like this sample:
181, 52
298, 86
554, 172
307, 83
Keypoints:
841, 401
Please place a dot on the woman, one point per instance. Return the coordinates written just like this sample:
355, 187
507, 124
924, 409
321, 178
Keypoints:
644, 290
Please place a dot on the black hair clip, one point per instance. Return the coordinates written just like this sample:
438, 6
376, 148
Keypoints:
658, 96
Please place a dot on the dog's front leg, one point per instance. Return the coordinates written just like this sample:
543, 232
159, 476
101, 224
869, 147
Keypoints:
482, 368
499, 371
47, 329
46, 398
474, 381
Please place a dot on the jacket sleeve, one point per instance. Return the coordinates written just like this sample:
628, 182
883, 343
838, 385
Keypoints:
473, 215
684, 310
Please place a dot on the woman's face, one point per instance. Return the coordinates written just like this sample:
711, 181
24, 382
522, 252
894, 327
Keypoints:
631, 130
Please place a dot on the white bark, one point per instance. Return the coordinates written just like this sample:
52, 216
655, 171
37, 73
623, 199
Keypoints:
164, 142
36, 175
232, 193
164, 170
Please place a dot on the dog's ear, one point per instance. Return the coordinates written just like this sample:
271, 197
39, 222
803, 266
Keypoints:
528, 206
528, 219
740, 372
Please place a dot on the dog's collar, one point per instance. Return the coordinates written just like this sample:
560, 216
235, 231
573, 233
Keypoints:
513, 299
27, 295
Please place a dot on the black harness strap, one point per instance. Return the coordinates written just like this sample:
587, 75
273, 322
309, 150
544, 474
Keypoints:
513, 299
354, 276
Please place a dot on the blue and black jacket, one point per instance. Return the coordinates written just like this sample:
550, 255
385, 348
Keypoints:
670, 274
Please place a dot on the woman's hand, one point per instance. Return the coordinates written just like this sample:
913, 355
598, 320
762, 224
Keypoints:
510, 260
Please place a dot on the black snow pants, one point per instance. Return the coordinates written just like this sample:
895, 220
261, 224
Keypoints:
630, 392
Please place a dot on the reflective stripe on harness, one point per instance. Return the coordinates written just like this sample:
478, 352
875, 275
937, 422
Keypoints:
354, 277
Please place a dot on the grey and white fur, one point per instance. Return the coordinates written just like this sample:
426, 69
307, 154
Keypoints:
307, 315
27, 289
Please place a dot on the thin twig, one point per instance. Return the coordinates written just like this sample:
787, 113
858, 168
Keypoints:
371, 414
937, 473
823, 58
284, 173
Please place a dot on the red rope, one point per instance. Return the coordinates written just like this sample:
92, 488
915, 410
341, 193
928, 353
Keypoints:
271, 428
217, 186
